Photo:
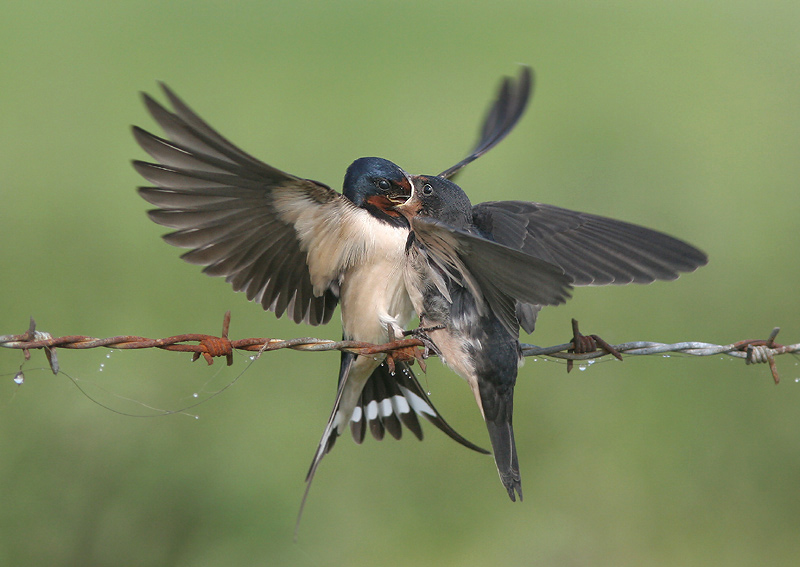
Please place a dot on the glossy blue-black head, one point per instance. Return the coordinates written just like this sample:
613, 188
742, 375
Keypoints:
438, 198
376, 184
369, 176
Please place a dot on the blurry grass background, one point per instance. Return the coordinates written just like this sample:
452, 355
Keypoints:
683, 116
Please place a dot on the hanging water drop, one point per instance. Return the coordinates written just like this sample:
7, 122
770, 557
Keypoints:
19, 378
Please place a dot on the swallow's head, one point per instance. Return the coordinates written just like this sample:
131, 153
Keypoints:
438, 198
378, 185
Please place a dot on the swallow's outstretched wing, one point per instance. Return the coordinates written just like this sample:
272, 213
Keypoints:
505, 112
279, 238
490, 270
591, 249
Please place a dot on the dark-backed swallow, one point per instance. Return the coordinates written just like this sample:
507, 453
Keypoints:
298, 247
464, 288
468, 267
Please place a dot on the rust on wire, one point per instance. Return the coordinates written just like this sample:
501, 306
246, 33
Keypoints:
583, 344
217, 346
580, 347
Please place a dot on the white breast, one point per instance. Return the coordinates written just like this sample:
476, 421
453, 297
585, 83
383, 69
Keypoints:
373, 291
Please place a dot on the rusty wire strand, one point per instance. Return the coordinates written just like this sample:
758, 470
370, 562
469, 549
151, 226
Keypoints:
209, 346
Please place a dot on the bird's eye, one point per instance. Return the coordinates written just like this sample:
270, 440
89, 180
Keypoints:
427, 189
384, 184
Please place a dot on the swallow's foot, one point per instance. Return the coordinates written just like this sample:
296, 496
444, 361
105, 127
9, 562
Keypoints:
405, 354
421, 333
421, 329
400, 353
582, 344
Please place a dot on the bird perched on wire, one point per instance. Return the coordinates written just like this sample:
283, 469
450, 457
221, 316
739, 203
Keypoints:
299, 248
475, 274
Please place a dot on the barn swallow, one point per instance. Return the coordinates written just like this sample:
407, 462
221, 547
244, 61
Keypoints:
475, 274
299, 248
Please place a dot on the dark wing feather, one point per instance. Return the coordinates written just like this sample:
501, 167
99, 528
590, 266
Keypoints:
527, 314
505, 112
591, 249
240, 217
490, 270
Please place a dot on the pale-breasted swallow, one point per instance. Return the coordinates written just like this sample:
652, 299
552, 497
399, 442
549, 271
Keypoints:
298, 247
481, 272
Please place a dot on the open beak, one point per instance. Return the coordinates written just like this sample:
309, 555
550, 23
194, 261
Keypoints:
404, 192
398, 199
410, 207
412, 204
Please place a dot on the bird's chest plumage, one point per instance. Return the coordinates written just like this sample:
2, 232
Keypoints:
426, 285
373, 292
471, 343
455, 343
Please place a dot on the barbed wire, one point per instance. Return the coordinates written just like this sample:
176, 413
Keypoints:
581, 347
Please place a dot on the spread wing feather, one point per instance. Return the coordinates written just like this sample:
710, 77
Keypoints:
270, 234
505, 112
591, 249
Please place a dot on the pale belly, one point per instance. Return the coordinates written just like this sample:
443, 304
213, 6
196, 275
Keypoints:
373, 297
455, 355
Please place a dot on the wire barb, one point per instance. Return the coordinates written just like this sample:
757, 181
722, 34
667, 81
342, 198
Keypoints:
582, 344
760, 353
217, 346
581, 347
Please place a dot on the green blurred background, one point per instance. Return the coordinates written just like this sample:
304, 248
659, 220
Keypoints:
683, 116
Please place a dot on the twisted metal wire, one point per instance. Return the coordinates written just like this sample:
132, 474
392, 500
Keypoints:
209, 346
